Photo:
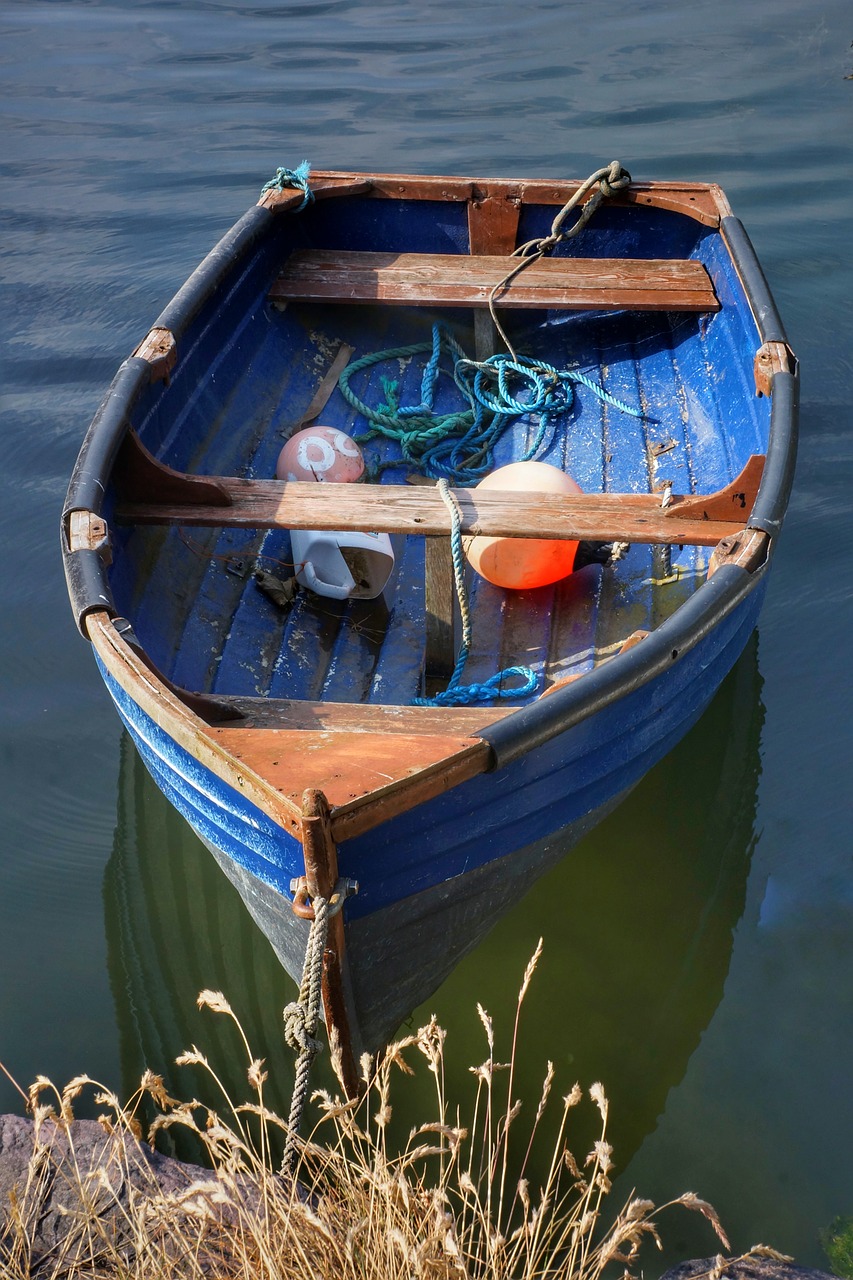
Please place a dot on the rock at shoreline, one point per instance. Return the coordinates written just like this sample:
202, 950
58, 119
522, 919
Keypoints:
46, 1169
745, 1268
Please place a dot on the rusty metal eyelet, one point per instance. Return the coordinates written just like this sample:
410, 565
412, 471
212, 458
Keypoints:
302, 905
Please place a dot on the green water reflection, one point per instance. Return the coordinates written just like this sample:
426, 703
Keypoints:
637, 923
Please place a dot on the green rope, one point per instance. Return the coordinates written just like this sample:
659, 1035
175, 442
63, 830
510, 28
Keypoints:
459, 445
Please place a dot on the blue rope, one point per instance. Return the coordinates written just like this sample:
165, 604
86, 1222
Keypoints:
457, 694
297, 178
459, 445
490, 690
552, 388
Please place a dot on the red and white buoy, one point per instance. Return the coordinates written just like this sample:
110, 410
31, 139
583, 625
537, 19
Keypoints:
321, 453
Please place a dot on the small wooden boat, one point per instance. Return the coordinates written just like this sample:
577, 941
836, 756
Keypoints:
332, 739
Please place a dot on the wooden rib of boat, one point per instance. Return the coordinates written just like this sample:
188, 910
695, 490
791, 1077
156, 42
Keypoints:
287, 733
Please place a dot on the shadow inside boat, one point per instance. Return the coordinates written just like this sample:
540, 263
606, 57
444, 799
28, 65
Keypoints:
637, 921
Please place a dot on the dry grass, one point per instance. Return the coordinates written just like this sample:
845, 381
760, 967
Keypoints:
445, 1206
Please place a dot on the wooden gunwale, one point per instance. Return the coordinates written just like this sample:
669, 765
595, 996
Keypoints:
704, 202
349, 717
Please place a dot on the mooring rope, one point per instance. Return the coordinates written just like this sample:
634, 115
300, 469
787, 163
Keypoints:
297, 178
457, 694
300, 1024
611, 179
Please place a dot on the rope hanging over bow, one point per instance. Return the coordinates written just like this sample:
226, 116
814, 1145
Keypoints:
300, 1025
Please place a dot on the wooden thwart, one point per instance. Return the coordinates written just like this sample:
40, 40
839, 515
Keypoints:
272, 504
459, 280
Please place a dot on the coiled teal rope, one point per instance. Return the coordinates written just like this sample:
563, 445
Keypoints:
459, 445
457, 694
297, 178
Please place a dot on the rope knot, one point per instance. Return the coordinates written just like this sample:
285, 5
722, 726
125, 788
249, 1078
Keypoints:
296, 1030
546, 244
300, 1021
297, 178
616, 179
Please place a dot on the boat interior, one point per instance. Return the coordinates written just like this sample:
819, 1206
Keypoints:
645, 303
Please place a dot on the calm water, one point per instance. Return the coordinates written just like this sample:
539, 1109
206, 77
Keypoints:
698, 946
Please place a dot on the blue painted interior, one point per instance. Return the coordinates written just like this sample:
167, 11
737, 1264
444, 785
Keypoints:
247, 372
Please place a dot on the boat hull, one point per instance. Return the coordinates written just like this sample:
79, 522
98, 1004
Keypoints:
453, 866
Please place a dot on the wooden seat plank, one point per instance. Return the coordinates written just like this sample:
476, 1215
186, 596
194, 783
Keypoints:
152, 493
271, 504
459, 280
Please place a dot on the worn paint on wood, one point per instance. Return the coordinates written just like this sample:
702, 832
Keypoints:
457, 280
701, 520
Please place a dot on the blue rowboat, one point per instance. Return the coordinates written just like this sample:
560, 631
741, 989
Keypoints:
418, 752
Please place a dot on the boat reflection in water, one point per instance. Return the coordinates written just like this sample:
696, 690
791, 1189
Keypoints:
637, 922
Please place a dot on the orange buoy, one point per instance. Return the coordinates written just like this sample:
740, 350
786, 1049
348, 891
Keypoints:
521, 563
320, 453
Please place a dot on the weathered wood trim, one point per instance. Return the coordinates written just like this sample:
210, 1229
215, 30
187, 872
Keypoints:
370, 771
159, 348
700, 201
322, 187
137, 472
328, 383
772, 358
362, 815
699, 520
733, 503
493, 222
350, 717
439, 599
88, 532
321, 875
461, 280
182, 725
747, 549
630, 643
